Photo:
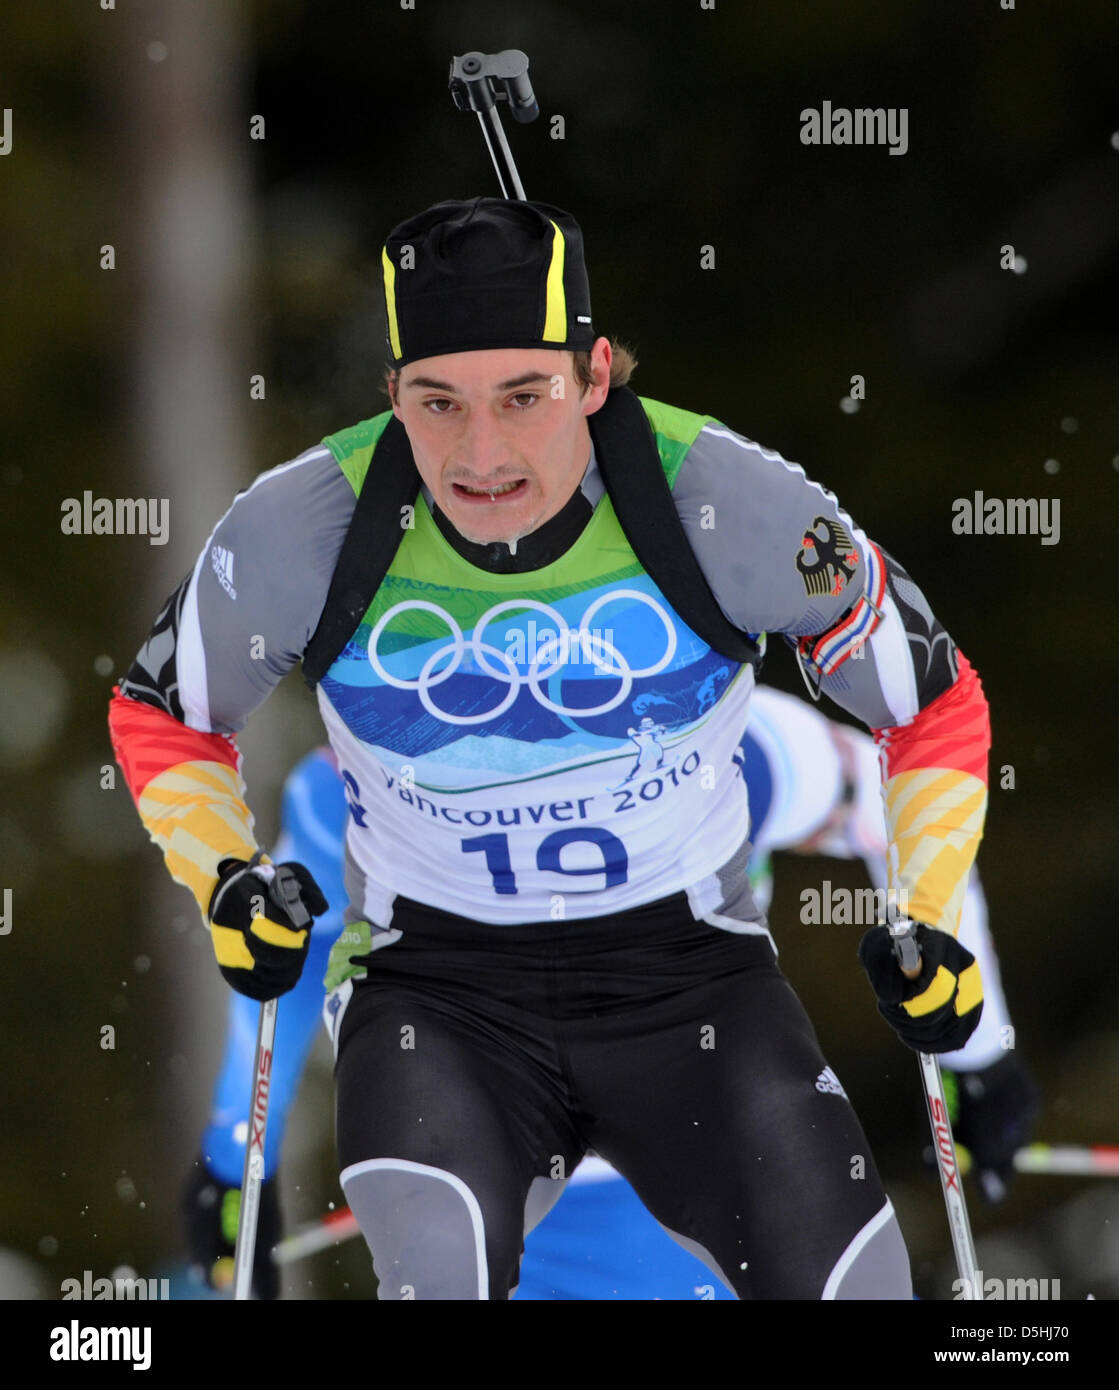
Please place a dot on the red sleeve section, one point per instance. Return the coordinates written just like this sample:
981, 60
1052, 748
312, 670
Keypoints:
147, 741
953, 732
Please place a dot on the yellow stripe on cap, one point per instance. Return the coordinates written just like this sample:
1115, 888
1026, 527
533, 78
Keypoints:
555, 318
390, 301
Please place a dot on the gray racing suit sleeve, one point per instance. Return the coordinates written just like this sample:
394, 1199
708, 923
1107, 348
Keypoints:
241, 619
782, 556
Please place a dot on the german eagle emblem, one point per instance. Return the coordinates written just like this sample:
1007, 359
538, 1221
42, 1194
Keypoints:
826, 562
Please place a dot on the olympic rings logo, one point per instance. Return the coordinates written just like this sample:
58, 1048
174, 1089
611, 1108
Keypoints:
607, 658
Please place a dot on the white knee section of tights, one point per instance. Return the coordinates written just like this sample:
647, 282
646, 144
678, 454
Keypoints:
394, 1181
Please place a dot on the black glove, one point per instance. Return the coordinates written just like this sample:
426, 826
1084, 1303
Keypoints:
210, 1210
261, 924
940, 1009
995, 1114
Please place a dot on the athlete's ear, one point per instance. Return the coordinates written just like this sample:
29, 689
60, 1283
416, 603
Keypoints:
392, 386
595, 396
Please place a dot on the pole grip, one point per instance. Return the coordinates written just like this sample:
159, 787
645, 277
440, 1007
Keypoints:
906, 949
286, 893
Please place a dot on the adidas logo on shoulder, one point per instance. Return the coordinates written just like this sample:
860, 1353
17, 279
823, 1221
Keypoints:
221, 560
828, 1082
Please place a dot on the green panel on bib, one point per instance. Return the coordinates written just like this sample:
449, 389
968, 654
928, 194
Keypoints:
355, 940
675, 432
353, 447
427, 562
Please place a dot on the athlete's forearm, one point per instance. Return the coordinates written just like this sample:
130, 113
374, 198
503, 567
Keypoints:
188, 791
223, 641
943, 748
935, 787
907, 681
934, 792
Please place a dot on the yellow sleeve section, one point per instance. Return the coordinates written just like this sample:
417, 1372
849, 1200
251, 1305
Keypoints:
934, 818
196, 813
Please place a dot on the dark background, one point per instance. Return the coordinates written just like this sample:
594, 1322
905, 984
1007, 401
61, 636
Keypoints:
236, 257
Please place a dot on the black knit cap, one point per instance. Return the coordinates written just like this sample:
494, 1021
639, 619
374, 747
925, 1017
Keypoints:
486, 273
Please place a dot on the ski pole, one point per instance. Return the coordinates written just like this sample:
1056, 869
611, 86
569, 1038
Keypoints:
904, 933
479, 81
284, 890
252, 1178
331, 1229
1072, 1160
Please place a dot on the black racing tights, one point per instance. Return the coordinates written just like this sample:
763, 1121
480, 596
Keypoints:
477, 1064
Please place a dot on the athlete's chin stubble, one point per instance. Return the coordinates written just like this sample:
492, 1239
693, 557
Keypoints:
515, 533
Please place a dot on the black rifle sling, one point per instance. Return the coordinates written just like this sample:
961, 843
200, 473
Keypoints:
630, 464
375, 532
631, 470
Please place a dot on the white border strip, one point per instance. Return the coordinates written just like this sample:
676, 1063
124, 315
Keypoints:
855, 1249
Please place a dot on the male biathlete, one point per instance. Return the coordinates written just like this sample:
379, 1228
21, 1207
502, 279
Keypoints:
544, 955
813, 785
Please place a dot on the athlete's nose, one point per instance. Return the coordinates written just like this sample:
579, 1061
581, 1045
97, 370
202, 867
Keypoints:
480, 450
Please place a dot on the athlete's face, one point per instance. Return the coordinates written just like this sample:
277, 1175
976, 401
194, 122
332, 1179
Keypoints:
500, 437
